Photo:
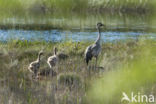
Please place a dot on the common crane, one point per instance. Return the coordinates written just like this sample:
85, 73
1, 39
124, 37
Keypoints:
52, 60
94, 49
34, 66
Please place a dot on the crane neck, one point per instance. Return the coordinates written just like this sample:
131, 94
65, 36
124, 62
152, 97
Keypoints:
55, 51
39, 57
99, 36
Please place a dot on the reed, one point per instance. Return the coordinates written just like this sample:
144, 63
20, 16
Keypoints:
118, 63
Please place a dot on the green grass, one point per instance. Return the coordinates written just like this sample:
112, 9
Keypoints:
41, 6
69, 79
117, 61
138, 76
48, 14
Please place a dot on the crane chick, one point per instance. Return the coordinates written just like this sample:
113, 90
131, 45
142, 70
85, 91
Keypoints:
52, 60
34, 66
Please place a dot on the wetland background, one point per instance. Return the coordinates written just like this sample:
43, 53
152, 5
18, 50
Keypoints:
127, 61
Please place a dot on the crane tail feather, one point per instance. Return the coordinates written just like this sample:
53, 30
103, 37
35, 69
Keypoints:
88, 57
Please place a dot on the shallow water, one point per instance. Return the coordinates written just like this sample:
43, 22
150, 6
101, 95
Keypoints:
65, 35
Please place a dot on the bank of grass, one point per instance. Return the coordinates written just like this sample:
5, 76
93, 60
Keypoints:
137, 77
42, 6
16, 85
50, 14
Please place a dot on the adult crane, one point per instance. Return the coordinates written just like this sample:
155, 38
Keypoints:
94, 49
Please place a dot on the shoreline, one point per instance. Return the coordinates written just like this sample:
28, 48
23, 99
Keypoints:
42, 27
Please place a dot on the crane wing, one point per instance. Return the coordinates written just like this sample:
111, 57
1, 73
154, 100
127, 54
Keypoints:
88, 54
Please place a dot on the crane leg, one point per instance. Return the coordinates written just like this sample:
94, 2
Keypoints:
96, 62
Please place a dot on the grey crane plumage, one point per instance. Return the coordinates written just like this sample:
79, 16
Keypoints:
94, 49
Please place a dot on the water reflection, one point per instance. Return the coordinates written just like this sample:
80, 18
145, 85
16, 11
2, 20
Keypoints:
113, 21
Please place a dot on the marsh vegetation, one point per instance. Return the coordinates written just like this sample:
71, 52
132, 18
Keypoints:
68, 14
126, 63
73, 81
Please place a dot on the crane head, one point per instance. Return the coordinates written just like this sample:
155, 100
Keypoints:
41, 52
99, 24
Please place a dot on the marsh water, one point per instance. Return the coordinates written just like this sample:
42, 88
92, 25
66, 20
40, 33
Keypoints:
57, 28
60, 36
